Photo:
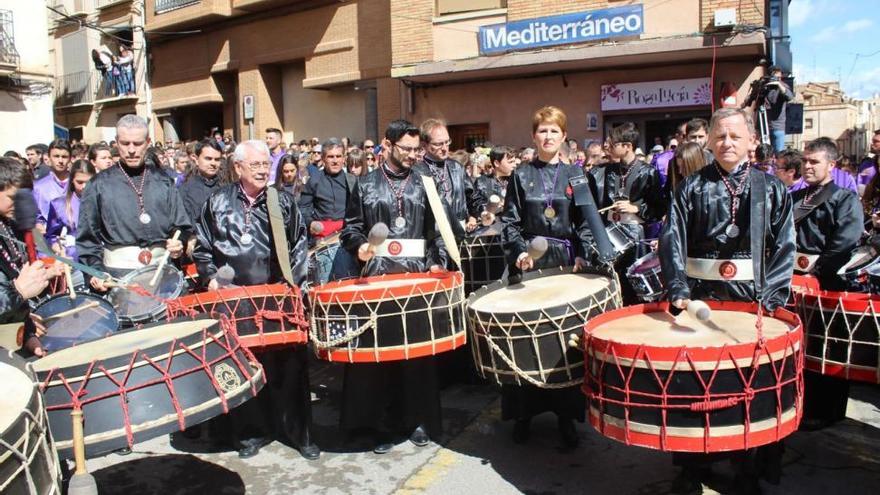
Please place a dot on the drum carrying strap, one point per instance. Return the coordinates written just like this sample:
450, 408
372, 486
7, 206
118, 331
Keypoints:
442, 220
583, 199
802, 211
758, 229
276, 222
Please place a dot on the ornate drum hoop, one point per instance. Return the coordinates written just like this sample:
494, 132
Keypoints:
388, 318
179, 374
842, 334
263, 315
530, 346
700, 398
81, 326
134, 307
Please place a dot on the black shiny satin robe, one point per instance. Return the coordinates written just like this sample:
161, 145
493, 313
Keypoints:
324, 197
699, 214
598, 174
486, 186
460, 199
219, 238
373, 201
832, 230
642, 188
523, 217
13, 307
108, 214
195, 193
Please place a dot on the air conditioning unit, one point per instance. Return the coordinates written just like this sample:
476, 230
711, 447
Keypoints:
725, 18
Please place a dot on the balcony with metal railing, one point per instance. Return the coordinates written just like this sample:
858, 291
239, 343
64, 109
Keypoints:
92, 86
163, 6
9, 58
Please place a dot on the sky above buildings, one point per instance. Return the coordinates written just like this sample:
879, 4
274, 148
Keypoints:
837, 40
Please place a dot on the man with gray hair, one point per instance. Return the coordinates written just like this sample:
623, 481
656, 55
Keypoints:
322, 204
234, 232
729, 236
129, 212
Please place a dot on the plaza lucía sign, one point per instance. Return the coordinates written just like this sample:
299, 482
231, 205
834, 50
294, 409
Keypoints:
656, 94
563, 29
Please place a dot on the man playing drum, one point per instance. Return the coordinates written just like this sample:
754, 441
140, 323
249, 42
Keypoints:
396, 397
634, 195
129, 213
235, 231
322, 204
714, 228
541, 202
829, 223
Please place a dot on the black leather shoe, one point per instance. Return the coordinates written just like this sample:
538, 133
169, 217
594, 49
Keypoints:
568, 432
383, 448
419, 437
124, 451
521, 430
251, 447
310, 452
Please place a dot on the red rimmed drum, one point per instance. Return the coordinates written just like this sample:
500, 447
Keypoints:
139, 384
264, 315
388, 317
676, 384
842, 334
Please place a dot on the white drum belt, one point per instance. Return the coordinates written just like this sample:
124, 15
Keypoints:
628, 218
126, 257
804, 263
721, 270
401, 248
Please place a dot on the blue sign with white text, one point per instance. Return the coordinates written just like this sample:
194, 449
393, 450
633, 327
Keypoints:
562, 29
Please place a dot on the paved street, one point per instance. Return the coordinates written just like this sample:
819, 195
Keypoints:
478, 456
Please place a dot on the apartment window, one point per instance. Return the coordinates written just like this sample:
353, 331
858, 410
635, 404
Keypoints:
445, 7
808, 123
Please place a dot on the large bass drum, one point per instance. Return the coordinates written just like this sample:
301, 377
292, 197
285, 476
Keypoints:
519, 332
139, 384
482, 258
676, 384
28, 462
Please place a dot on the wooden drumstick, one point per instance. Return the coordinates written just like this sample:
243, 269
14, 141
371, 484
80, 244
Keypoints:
81, 483
607, 208
90, 305
68, 276
163, 261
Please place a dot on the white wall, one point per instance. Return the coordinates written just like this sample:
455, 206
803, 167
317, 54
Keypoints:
321, 113
27, 119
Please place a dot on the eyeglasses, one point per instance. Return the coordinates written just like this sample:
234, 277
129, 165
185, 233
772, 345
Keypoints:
256, 166
371, 158
441, 144
407, 150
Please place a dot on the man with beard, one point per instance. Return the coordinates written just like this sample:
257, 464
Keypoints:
201, 184
129, 212
461, 203
634, 194
234, 229
707, 252
322, 203
398, 397
828, 223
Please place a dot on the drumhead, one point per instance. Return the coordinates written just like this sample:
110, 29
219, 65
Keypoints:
384, 284
646, 263
121, 344
661, 329
540, 293
82, 326
17, 392
861, 258
135, 304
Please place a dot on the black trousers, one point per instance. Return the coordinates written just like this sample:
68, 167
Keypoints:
825, 397
525, 401
283, 408
392, 397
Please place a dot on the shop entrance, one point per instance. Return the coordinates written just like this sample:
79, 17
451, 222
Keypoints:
654, 126
468, 136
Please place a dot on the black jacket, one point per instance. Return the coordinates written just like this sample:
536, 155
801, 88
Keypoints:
195, 193
456, 190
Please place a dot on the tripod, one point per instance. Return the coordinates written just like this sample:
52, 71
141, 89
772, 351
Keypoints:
763, 127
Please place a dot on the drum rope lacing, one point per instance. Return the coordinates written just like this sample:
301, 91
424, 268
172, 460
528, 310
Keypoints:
290, 315
78, 396
34, 425
613, 297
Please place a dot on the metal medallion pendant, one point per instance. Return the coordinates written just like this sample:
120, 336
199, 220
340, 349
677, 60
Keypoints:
549, 212
247, 238
400, 222
145, 218
732, 231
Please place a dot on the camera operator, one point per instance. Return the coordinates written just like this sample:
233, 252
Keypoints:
771, 93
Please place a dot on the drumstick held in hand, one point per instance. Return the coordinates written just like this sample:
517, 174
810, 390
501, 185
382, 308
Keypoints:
537, 248
607, 208
93, 304
494, 203
68, 276
699, 310
377, 235
163, 261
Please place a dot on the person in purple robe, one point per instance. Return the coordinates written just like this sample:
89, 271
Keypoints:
63, 213
54, 184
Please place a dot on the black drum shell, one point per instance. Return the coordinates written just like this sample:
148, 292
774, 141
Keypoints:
482, 261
